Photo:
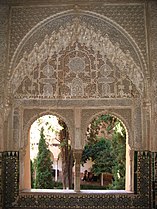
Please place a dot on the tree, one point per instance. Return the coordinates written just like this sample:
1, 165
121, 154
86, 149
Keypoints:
100, 130
32, 174
119, 156
44, 177
103, 161
66, 155
59, 129
106, 148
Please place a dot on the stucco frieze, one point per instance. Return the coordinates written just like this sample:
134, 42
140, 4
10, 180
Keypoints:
60, 103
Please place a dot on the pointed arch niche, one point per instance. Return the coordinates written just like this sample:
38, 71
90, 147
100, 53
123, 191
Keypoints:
77, 64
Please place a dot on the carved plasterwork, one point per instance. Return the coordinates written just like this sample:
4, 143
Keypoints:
30, 115
34, 15
129, 16
153, 46
75, 58
122, 114
77, 62
137, 124
3, 74
153, 38
3, 50
16, 128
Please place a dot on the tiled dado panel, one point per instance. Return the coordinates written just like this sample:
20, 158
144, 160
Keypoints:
154, 180
10, 178
141, 199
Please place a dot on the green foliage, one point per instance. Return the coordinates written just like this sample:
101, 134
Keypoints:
58, 185
100, 154
44, 177
92, 187
119, 153
103, 161
108, 151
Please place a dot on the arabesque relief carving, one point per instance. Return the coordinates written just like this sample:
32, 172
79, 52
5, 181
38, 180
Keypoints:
77, 62
128, 16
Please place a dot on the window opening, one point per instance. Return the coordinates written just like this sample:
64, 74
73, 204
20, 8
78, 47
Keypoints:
51, 154
104, 154
100, 175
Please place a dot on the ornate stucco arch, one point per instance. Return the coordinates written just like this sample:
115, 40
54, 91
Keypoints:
112, 113
32, 119
129, 179
76, 26
24, 142
75, 56
124, 121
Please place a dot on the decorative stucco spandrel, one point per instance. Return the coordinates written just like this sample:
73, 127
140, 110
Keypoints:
30, 115
74, 61
130, 17
123, 114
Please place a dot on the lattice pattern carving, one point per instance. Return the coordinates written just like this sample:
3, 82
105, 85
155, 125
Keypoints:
77, 62
16, 128
130, 17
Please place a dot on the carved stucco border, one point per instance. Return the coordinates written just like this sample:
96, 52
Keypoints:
30, 115
125, 114
153, 64
89, 114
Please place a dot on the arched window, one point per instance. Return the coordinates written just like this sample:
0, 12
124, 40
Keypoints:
106, 160
48, 141
106, 163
